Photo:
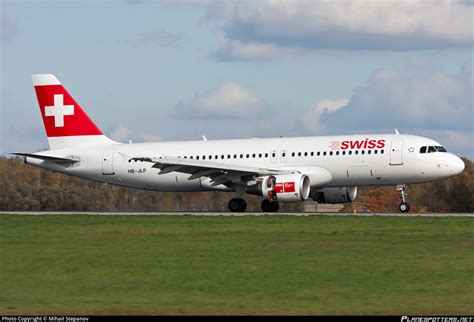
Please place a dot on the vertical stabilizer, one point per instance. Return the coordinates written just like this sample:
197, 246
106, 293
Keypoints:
65, 122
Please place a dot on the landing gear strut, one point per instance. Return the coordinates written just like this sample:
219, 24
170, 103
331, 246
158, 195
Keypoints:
270, 206
237, 205
404, 206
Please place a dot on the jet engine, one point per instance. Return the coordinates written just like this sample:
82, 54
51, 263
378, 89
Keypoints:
285, 188
335, 195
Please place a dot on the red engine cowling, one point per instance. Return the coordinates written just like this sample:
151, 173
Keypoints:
285, 188
335, 195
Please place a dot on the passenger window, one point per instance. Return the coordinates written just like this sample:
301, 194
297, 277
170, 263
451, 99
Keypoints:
306, 154
324, 153
319, 153
381, 151
293, 154
241, 156
235, 156
299, 154
259, 155
362, 152
350, 152
283, 154
330, 153
369, 152
343, 152
197, 157
312, 153
375, 151
337, 152
266, 155
273, 155
356, 152
253, 155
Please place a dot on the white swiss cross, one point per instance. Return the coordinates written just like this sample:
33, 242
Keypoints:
59, 110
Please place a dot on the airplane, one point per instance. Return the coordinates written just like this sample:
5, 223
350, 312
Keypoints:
327, 169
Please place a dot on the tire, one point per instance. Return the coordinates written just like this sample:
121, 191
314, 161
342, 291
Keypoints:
274, 206
269, 206
404, 207
237, 205
234, 205
265, 205
243, 205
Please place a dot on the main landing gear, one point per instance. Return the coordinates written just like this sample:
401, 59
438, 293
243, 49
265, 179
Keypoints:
404, 206
237, 205
270, 206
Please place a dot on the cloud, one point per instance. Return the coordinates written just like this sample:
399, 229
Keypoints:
8, 29
148, 137
158, 38
263, 28
391, 100
309, 119
120, 133
237, 50
228, 101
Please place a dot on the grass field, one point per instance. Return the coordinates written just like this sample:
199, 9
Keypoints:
236, 265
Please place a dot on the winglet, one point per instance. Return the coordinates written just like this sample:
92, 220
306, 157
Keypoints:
204, 137
396, 132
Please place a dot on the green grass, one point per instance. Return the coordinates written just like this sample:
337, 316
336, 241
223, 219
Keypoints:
236, 265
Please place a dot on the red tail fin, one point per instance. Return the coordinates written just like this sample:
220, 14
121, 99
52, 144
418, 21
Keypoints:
66, 123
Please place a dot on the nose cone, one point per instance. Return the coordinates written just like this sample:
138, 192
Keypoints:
457, 165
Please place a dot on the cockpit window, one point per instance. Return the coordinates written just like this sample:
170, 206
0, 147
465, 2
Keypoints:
432, 149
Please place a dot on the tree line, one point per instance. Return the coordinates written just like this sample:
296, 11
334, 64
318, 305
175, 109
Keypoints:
26, 188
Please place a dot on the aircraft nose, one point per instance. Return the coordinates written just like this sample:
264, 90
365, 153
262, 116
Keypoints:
457, 165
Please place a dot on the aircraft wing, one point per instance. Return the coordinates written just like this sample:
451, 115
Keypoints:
218, 173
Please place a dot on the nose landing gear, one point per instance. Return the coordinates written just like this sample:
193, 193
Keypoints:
404, 206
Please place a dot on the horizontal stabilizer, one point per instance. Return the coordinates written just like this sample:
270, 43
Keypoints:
46, 157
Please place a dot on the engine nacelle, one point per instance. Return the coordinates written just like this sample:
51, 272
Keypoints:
285, 188
335, 195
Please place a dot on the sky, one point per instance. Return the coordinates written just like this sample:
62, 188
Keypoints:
149, 70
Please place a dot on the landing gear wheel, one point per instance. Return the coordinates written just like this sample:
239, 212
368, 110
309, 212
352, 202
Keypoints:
237, 205
404, 207
269, 206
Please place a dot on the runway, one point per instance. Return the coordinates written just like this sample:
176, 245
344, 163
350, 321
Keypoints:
230, 214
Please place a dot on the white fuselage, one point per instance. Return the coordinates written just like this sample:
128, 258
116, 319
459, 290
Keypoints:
399, 161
